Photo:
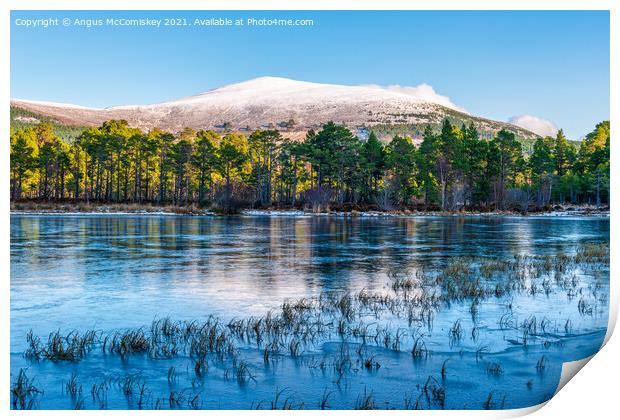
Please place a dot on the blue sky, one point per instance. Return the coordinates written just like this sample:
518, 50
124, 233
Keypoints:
549, 64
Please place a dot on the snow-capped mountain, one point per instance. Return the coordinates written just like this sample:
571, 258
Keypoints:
269, 101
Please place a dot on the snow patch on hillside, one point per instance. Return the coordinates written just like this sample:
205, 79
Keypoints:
53, 104
270, 91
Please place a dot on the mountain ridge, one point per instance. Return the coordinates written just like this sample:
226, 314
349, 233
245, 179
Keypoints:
272, 102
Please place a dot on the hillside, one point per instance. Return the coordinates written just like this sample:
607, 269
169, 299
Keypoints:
270, 102
22, 118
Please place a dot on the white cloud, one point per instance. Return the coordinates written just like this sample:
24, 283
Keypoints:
536, 125
424, 92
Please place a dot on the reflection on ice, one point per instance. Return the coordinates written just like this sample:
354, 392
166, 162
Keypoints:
396, 313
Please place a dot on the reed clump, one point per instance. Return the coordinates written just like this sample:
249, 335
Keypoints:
23, 392
365, 401
71, 347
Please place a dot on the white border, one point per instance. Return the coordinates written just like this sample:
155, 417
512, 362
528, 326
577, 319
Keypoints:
592, 395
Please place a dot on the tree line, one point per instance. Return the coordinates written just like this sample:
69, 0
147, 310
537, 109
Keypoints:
451, 170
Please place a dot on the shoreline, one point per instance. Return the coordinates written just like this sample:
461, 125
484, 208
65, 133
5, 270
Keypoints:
115, 210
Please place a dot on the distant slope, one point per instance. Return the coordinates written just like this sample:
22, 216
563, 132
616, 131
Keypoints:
23, 118
270, 102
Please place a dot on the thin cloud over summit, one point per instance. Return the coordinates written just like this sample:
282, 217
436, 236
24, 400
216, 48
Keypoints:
424, 92
534, 124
